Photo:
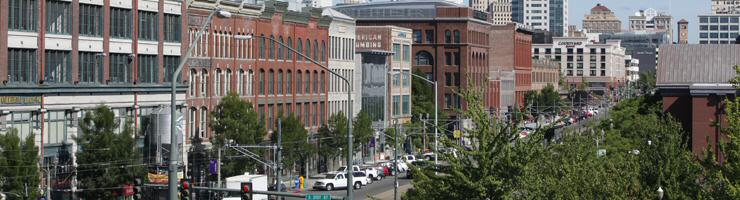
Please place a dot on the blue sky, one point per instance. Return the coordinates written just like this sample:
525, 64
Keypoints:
686, 9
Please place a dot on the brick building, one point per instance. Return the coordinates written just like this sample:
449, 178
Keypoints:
60, 59
511, 47
545, 72
450, 43
275, 80
694, 83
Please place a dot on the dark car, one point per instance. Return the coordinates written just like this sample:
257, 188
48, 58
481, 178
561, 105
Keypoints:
273, 187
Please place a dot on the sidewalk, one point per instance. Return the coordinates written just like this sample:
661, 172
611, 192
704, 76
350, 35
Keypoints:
389, 194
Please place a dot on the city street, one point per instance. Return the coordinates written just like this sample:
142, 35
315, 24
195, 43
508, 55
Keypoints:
382, 189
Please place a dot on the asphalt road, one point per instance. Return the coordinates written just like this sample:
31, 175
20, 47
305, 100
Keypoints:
382, 189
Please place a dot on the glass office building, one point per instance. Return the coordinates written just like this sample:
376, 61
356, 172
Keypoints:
719, 28
642, 46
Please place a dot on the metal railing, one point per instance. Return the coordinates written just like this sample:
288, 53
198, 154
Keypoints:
272, 193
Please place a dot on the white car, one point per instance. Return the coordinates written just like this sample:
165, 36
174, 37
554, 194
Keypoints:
362, 177
408, 158
335, 180
369, 171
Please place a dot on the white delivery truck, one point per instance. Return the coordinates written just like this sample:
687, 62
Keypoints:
259, 183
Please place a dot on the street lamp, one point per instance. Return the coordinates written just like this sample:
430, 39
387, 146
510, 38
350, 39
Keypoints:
172, 171
350, 193
436, 114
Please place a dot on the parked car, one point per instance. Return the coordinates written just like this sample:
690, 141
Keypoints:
372, 172
335, 180
364, 178
419, 165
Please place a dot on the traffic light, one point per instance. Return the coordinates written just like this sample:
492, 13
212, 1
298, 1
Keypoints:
184, 189
246, 191
137, 189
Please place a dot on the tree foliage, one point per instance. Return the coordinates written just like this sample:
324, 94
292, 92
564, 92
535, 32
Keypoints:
295, 141
333, 135
108, 159
18, 165
234, 120
544, 102
646, 83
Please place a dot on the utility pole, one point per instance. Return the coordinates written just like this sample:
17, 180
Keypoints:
279, 152
395, 160
218, 168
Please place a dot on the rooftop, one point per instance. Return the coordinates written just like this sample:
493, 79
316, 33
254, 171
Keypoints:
600, 7
691, 64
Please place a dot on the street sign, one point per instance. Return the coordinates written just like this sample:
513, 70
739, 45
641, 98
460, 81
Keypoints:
318, 197
457, 134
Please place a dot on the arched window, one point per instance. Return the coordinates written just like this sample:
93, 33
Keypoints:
308, 48
203, 83
323, 81
217, 83
280, 82
227, 81
289, 82
423, 58
272, 47
248, 79
262, 46
299, 48
448, 36
191, 82
307, 82
280, 48
262, 82
315, 81
270, 82
203, 119
299, 81
315, 50
457, 36
323, 50
290, 53
240, 83
191, 122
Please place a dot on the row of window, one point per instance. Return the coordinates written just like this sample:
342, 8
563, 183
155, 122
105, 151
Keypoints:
580, 72
311, 114
718, 27
23, 67
401, 78
23, 16
341, 48
568, 50
719, 19
398, 55
56, 123
718, 35
318, 54
417, 37
401, 105
338, 85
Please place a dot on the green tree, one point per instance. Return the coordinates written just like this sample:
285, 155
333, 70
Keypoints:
295, 142
18, 165
423, 98
107, 158
333, 135
234, 120
646, 83
544, 102
362, 131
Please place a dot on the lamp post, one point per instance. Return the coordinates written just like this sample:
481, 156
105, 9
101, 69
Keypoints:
350, 188
172, 171
436, 113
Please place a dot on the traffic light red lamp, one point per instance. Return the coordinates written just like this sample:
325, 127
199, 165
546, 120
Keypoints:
246, 191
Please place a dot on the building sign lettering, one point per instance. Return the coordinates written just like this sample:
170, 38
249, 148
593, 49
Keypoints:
369, 41
570, 43
20, 100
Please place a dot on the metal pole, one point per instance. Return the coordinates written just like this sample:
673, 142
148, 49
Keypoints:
279, 152
395, 160
218, 168
436, 126
172, 171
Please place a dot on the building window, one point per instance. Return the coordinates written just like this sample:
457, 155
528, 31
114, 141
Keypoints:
396, 52
323, 82
191, 122
191, 83
120, 68
120, 23
396, 105
448, 36
217, 82
170, 64
429, 36
315, 82
299, 82
323, 51
271, 52
423, 58
280, 52
457, 36
58, 67
322, 113
308, 48
22, 67
417, 36
308, 82
406, 53
448, 58
58, 17
299, 49
457, 58
91, 20
270, 82
262, 46
262, 82
172, 28
227, 81
23, 15
203, 83
148, 28
406, 78
315, 50
240, 83
148, 71
396, 78
203, 120
289, 82
280, 82
406, 104
91, 67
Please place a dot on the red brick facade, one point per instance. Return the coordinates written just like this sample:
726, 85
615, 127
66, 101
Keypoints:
260, 71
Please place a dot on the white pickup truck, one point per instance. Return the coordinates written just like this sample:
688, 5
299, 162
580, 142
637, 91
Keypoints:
335, 180
371, 172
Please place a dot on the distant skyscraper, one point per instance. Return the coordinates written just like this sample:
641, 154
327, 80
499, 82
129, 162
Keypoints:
683, 32
551, 15
650, 20
718, 28
500, 11
726, 6
602, 20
